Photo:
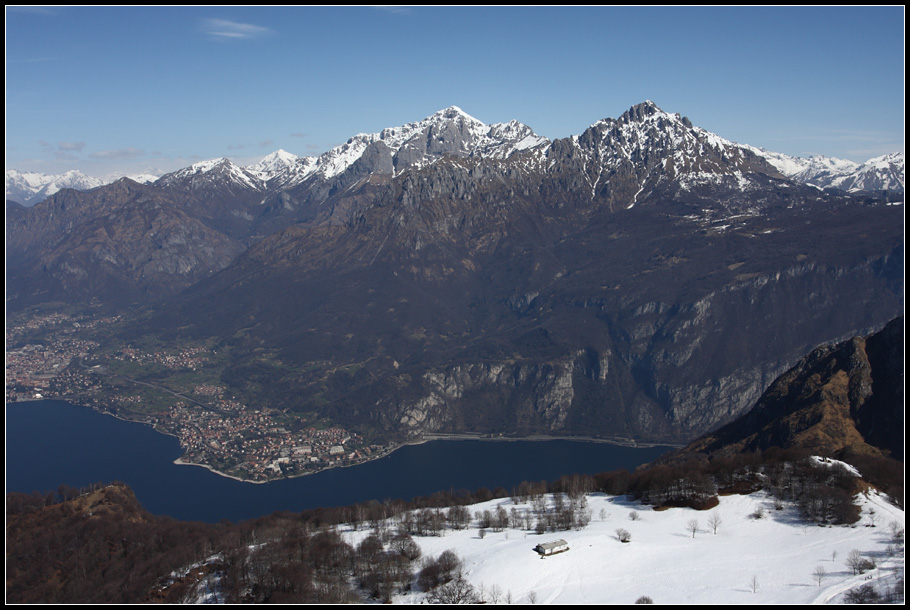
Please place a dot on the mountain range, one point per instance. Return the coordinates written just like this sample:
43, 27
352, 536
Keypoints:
644, 280
282, 170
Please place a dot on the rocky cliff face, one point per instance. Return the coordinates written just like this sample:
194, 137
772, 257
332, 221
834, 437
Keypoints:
841, 397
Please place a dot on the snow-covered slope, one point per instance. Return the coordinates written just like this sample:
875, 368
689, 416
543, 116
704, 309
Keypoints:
880, 173
29, 188
204, 174
449, 131
282, 169
885, 172
748, 560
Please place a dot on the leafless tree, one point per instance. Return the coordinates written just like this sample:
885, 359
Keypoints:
457, 591
714, 521
854, 560
634, 516
865, 594
692, 526
753, 583
623, 535
495, 594
819, 574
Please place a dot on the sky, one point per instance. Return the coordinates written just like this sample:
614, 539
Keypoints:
122, 90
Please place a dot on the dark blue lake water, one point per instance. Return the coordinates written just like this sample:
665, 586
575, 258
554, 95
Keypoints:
52, 442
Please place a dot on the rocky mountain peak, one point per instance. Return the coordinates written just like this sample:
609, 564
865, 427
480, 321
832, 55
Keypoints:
214, 173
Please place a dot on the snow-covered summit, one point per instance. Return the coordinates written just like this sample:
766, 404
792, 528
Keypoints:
450, 131
204, 173
29, 188
880, 173
645, 130
283, 169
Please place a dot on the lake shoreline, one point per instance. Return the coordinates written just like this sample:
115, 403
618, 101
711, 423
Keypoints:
387, 451
53, 441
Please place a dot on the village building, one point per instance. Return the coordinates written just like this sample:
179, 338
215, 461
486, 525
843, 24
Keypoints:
552, 547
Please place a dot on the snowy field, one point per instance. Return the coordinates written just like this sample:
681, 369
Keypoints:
771, 560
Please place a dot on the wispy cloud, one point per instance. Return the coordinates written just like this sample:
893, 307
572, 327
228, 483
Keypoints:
71, 145
122, 153
394, 9
222, 29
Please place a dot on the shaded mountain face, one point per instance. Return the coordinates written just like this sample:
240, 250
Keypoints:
646, 279
121, 244
843, 398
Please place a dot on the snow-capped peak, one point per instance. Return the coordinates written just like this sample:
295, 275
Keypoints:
203, 173
450, 131
283, 169
29, 188
880, 173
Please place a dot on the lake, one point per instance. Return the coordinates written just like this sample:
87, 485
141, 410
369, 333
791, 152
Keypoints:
51, 442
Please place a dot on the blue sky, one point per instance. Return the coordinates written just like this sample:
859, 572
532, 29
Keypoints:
121, 90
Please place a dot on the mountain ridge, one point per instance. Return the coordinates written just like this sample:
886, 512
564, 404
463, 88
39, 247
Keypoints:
497, 140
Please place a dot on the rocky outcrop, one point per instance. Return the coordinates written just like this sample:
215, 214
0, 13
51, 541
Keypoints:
846, 397
538, 394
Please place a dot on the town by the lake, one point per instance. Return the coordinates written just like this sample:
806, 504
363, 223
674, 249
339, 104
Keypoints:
215, 430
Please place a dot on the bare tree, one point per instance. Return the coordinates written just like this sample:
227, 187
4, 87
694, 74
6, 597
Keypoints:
714, 521
819, 574
692, 526
854, 560
865, 594
495, 594
753, 583
623, 535
457, 591
634, 516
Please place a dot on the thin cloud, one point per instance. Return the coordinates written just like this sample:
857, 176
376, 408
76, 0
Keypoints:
394, 9
299, 134
122, 153
70, 146
222, 29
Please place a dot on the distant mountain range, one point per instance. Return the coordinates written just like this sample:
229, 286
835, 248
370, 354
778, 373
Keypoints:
28, 188
644, 280
283, 170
